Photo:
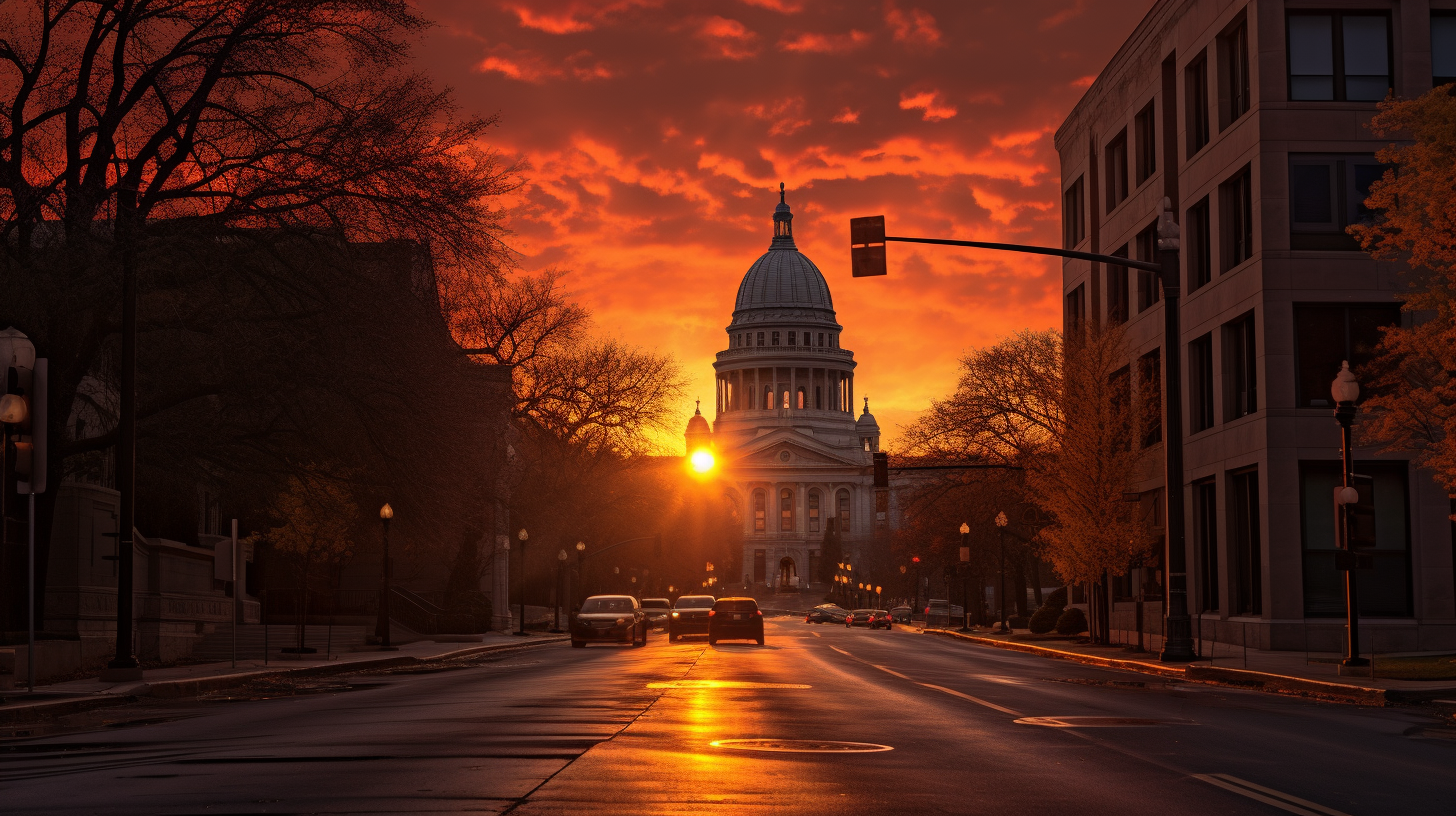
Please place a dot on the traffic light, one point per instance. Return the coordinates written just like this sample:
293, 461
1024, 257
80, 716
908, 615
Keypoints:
23, 409
867, 246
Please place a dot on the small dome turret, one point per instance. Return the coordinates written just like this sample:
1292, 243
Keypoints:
867, 429
699, 434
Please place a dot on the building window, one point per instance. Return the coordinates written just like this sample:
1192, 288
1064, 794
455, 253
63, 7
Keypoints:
1076, 309
1382, 530
760, 512
793, 338
1205, 534
1145, 135
1241, 374
1200, 384
1195, 90
1150, 386
1200, 254
1443, 48
1116, 158
1074, 222
760, 338
1233, 85
1236, 211
818, 397
768, 397
1117, 290
1325, 336
1246, 565
786, 398
821, 339
775, 338
813, 511
786, 510
760, 566
1149, 289
843, 499
800, 399
1327, 194
1335, 56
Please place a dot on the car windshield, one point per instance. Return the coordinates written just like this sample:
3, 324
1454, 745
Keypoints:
594, 605
864, 611
695, 602
736, 606
655, 603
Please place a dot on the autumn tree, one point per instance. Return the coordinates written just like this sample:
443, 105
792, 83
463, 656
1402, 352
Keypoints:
1412, 402
312, 519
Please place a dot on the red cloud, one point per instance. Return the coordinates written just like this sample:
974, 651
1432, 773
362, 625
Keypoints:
929, 104
731, 38
913, 26
824, 43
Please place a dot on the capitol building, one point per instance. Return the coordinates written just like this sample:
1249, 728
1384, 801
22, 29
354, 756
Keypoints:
794, 458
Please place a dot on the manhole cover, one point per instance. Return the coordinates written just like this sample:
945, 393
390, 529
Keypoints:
723, 684
801, 746
1094, 722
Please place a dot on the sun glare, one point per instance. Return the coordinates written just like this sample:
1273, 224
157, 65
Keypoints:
702, 461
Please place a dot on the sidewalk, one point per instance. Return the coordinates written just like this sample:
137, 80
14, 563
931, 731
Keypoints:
1276, 672
73, 696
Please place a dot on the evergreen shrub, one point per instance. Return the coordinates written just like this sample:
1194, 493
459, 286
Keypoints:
1045, 618
1072, 622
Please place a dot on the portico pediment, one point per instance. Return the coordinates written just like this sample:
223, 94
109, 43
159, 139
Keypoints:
786, 447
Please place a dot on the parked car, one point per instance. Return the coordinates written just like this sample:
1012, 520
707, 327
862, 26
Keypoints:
936, 614
873, 618
609, 618
689, 616
735, 619
658, 610
900, 614
826, 613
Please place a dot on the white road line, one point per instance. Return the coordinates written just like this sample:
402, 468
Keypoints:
977, 700
1269, 796
816, 634
891, 671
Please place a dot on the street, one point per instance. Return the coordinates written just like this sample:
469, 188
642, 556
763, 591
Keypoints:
552, 729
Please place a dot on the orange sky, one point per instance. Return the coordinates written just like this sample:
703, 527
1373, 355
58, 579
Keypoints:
655, 135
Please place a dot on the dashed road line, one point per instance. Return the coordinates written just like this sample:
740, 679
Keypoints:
977, 700
1269, 796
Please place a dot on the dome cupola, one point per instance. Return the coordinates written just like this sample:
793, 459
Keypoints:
868, 429
699, 435
783, 282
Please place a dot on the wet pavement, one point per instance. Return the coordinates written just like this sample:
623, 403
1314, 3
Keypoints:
821, 720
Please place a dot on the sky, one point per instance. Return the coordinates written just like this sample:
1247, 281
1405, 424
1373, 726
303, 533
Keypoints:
652, 136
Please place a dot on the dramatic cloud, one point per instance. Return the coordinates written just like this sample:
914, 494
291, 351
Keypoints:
654, 134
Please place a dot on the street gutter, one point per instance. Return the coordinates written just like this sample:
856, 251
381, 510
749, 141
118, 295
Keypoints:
26, 713
1233, 678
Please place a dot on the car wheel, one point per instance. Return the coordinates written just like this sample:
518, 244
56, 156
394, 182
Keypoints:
760, 640
576, 644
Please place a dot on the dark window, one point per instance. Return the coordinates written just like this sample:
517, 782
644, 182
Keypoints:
1120, 383
760, 511
1384, 590
1116, 160
1195, 90
793, 338
1236, 210
1145, 129
813, 512
1327, 194
1076, 309
1149, 289
760, 566
760, 338
1339, 56
843, 499
775, 338
1233, 50
1241, 372
818, 397
1205, 532
1117, 289
786, 510
1443, 48
1246, 566
1199, 245
821, 339
1150, 386
1074, 222
1324, 336
1200, 384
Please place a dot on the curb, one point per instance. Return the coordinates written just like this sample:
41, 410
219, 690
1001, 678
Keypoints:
1233, 678
192, 686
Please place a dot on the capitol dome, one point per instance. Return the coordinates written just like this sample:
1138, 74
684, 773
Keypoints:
782, 278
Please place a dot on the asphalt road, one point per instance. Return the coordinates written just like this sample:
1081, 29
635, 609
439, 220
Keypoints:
605, 730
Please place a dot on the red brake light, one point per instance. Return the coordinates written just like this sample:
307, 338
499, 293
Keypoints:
758, 612
712, 612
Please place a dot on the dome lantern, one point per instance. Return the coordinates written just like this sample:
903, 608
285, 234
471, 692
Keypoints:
783, 223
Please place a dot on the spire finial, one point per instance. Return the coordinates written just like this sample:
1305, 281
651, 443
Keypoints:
697, 407
867, 405
781, 193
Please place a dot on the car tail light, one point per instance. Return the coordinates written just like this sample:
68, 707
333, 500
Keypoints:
758, 612
712, 612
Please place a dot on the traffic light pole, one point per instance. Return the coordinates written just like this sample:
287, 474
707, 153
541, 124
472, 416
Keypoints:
867, 250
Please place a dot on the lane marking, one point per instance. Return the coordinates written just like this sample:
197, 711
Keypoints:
843, 652
891, 671
977, 700
1269, 796
816, 634
723, 684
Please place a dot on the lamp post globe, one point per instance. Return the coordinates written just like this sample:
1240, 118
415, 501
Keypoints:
386, 573
965, 568
1001, 522
1346, 390
522, 536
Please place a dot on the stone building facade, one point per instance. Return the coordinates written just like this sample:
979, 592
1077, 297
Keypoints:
1249, 115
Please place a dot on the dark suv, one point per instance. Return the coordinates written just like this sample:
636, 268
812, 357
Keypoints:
735, 619
689, 616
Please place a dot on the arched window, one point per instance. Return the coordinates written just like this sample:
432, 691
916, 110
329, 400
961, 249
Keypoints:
843, 498
768, 397
760, 511
786, 399
813, 511
786, 510
800, 403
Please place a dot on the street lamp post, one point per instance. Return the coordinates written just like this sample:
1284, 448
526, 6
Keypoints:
580, 561
1346, 391
385, 573
915, 559
965, 566
1001, 530
560, 591
522, 536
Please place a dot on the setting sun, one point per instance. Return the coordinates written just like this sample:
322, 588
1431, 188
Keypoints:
702, 461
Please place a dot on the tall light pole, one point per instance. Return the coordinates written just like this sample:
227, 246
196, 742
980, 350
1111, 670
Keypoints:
385, 572
522, 536
560, 590
867, 241
1346, 390
1001, 530
580, 562
915, 559
965, 567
